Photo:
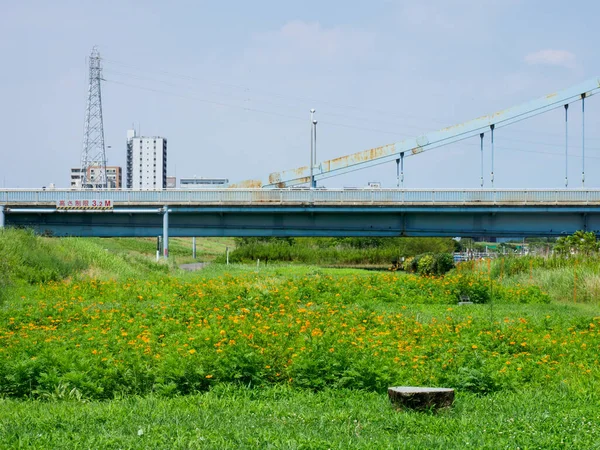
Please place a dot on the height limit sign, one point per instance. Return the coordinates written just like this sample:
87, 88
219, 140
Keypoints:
85, 204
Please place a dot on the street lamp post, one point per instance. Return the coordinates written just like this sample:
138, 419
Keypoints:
314, 183
312, 143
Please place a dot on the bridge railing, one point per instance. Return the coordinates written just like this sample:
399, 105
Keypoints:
326, 196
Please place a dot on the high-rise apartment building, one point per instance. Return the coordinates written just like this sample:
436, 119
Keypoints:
146, 162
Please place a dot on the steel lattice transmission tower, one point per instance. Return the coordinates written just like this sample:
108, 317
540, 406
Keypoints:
93, 156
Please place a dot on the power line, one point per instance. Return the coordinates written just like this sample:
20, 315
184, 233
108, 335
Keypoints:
275, 94
248, 89
259, 100
211, 102
325, 113
246, 108
571, 155
337, 124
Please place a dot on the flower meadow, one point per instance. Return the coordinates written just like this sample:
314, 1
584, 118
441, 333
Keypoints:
300, 327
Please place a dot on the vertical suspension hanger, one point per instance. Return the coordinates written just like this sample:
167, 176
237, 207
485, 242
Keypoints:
402, 169
398, 172
481, 137
492, 126
566, 145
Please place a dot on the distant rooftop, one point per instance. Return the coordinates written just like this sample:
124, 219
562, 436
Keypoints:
203, 181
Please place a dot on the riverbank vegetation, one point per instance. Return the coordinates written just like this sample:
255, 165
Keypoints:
290, 355
336, 251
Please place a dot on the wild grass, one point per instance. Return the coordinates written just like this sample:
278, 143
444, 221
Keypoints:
234, 417
180, 249
572, 279
105, 348
332, 251
29, 259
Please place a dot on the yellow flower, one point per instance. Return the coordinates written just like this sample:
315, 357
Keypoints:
208, 376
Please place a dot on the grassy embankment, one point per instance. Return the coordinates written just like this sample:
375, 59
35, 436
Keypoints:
142, 356
180, 249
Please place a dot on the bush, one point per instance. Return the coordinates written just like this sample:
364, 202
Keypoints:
429, 264
410, 264
426, 265
444, 262
475, 288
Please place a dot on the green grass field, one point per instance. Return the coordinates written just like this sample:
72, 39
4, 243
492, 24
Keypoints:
102, 347
233, 417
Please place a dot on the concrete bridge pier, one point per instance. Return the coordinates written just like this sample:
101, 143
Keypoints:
2, 216
166, 232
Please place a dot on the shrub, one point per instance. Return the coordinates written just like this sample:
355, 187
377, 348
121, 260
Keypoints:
444, 262
410, 264
426, 265
473, 287
429, 264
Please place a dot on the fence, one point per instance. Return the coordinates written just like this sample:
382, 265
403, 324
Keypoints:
309, 196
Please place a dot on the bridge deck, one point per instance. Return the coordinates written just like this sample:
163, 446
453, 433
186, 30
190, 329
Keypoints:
257, 197
299, 212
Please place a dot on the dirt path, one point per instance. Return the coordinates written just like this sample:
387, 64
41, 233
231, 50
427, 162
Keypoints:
192, 267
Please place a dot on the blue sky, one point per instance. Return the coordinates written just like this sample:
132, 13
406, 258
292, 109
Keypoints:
230, 85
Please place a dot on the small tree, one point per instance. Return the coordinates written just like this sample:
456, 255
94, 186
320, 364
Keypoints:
579, 242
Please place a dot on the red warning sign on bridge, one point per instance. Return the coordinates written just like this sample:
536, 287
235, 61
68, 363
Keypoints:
85, 204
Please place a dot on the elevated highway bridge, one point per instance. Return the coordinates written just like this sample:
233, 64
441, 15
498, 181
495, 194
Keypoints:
273, 206
303, 212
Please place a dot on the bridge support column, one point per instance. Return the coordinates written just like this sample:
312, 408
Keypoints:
166, 232
1, 216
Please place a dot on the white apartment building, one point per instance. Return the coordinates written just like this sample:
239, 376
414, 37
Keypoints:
146, 162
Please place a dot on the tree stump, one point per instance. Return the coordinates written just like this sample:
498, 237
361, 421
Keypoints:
421, 397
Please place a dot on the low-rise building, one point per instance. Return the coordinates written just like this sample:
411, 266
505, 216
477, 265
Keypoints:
200, 183
114, 176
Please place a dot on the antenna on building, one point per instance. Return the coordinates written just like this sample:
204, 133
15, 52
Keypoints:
94, 153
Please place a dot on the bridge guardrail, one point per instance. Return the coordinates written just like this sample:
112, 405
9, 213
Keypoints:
325, 196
